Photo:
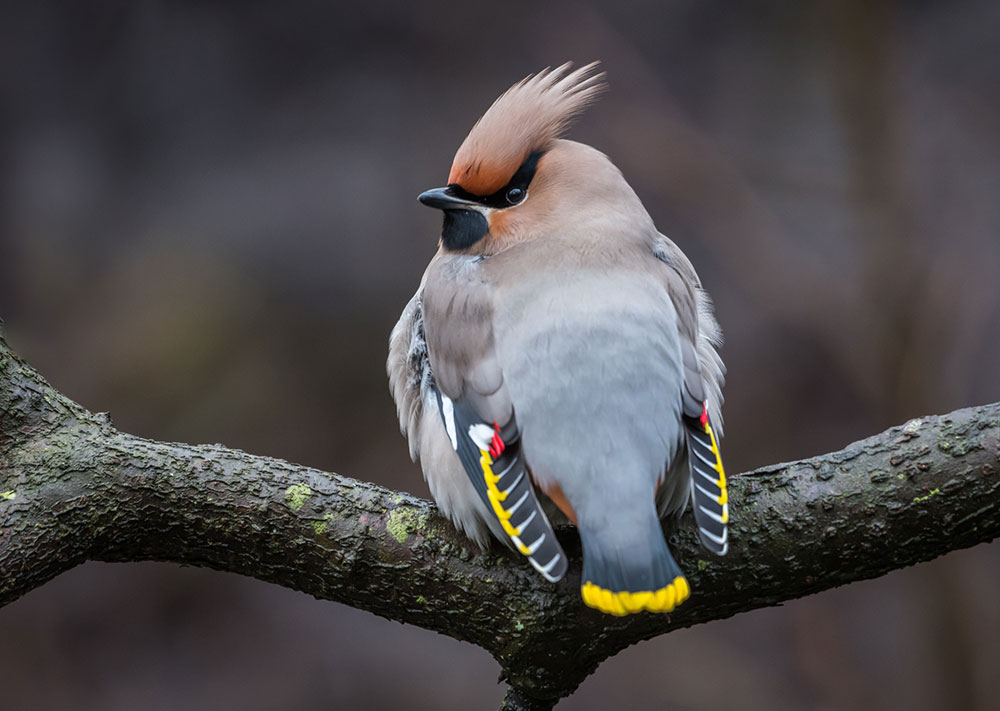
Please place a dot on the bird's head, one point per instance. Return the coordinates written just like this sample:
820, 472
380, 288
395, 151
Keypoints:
513, 177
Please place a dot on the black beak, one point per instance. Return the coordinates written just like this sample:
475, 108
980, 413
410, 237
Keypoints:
444, 199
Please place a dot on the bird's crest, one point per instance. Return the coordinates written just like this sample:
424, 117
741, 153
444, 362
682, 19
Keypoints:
526, 119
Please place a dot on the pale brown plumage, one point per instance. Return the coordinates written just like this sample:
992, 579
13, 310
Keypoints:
563, 320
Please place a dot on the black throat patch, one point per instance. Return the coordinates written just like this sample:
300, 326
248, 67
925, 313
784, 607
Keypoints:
462, 229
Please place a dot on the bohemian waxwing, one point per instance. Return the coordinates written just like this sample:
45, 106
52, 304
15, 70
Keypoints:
560, 347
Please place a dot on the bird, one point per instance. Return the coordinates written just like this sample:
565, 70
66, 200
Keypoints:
561, 355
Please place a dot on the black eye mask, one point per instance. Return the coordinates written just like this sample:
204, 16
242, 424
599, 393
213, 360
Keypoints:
510, 194
463, 228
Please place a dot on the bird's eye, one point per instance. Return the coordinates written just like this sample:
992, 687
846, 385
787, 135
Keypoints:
515, 195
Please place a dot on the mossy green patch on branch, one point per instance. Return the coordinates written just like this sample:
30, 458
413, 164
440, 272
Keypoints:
296, 496
930, 495
319, 527
402, 521
8, 495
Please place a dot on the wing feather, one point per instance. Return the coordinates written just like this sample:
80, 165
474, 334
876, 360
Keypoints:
450, 413
704, 376
492, 457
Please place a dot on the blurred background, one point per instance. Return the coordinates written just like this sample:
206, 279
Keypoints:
208, 226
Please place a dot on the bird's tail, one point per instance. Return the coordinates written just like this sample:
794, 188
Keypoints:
627, 576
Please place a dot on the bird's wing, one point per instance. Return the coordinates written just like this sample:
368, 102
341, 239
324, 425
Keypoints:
415, 392
477, 412
492, 456
409, 369
704, 375
709, 497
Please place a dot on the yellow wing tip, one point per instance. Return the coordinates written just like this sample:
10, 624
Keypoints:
626, 603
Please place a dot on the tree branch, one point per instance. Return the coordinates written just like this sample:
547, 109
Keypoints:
72, 489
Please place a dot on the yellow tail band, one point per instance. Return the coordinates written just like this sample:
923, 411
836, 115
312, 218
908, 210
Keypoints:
625, 603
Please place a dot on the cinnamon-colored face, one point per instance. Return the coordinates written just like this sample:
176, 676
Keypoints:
470, 216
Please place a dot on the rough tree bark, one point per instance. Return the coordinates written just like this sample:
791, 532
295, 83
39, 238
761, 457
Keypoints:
73, 488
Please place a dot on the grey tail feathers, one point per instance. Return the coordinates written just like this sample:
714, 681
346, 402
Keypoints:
626, 576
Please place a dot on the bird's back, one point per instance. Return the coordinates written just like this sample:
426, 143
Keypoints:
592, 360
